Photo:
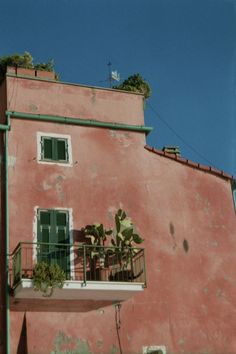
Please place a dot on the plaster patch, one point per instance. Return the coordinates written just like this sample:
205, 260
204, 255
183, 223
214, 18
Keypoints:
114, 350
64, 344
33, 107
11, 161
231, 280
181, 341
123, 138
99, 343
46, 186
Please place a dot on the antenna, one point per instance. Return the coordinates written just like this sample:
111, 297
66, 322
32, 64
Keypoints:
109, 73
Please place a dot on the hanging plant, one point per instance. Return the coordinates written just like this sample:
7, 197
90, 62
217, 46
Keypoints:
46, 277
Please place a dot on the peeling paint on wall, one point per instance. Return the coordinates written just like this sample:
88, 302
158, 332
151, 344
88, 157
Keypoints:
11, 161
114, 350
122, 138
64, 344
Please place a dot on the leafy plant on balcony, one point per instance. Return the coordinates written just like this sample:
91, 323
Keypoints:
121, 248
124, 238
24, 60
97, 234
46, 277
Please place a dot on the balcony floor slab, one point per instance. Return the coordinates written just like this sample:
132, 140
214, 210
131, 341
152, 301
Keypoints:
78, 290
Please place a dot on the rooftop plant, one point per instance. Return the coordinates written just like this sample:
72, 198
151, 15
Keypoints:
135, 83
24, 60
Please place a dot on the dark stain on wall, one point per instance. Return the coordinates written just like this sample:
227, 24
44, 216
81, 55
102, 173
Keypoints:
185, 245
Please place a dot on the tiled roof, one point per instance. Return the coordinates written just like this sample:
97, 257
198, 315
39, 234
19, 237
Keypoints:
190, 163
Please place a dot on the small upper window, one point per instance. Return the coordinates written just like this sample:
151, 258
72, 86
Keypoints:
54, 149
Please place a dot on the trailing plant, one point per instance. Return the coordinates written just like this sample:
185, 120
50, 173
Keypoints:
46, 277
135, 83
24, 60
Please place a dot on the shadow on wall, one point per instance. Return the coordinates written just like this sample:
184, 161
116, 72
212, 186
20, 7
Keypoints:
22, 346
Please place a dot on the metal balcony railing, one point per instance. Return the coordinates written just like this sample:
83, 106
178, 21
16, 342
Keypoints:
80, 262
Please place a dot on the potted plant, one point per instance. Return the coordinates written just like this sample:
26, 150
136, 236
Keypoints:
46, 277
97, 235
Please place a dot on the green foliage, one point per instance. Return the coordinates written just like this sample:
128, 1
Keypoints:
125, 235
24, 60
96, 233
124, 238
135, 83
46, 277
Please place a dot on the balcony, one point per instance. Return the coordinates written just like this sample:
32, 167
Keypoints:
92, 272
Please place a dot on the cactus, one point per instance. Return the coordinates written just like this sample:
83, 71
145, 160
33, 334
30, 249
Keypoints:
125, 235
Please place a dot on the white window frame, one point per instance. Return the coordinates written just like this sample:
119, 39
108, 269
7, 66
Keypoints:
54, 135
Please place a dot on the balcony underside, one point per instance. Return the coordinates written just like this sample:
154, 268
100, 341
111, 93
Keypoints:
78, 290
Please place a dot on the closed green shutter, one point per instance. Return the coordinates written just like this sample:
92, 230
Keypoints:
61, 149
44, 228
53, 229
62, 232
47, 146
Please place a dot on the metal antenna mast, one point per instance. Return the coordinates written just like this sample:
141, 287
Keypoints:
109, 74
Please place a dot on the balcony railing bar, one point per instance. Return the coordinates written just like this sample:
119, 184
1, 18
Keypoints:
81, 262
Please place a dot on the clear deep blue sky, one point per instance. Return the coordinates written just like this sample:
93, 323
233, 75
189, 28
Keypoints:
186, 49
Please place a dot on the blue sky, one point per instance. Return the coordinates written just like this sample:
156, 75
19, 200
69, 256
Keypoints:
185, 49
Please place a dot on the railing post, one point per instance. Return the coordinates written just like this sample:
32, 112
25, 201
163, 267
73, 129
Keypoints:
131, 265
144, 269
84, 251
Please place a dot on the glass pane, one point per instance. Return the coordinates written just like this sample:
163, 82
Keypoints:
44, 218
61, 150
47, 146
61, 219
61, 235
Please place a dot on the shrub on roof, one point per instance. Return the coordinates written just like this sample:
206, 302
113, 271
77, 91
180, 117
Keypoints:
24, 60
135, 83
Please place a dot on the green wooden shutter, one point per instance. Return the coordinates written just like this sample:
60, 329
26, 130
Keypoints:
53, 229
47, 146
62, 232
61, 149
44, 230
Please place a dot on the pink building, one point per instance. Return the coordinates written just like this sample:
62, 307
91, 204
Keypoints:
73, 155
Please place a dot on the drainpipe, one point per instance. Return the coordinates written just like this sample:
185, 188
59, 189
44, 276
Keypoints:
79, 121
7, 285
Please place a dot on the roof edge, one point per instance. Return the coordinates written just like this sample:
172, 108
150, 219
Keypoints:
198, 166
72, 84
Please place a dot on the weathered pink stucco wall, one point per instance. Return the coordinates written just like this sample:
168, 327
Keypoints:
185, 215
45, 97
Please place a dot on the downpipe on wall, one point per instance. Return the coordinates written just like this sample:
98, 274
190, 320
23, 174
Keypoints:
6, 128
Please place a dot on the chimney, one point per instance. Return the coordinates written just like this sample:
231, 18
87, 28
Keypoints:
172, 150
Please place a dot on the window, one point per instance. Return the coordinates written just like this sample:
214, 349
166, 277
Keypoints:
54, 148
53, 237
